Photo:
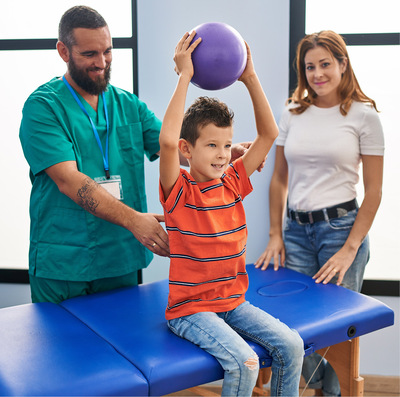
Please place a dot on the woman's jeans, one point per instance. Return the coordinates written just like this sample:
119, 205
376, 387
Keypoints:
220, 334
308, 247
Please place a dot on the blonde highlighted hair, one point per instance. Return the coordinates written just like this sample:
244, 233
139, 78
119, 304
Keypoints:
349, 90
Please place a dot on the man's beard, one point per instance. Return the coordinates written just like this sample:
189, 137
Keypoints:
82, 79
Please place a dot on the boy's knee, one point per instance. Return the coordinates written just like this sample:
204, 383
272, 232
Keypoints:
252, 363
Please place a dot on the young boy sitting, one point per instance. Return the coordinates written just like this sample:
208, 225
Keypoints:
206, 224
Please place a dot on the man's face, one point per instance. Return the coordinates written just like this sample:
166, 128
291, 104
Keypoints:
90, 59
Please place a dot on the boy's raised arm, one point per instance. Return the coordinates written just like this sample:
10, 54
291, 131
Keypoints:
172, 122
267, 130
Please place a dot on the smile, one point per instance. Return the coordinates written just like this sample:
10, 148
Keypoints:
97, 71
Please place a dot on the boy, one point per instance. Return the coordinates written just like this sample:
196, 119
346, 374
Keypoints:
207, 232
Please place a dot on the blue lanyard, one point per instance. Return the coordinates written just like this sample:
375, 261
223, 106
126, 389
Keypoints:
96, 134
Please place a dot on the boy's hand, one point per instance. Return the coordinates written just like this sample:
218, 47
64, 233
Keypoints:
183, 54
249, 69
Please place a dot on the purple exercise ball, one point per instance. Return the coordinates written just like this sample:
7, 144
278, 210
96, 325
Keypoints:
220, 58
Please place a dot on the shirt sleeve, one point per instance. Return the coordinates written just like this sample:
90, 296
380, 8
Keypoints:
151, 131
283, 127
237, 177
177, 193
43, 139
371, 134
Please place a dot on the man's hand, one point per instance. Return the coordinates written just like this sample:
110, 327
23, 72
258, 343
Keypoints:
148, 231
239, 149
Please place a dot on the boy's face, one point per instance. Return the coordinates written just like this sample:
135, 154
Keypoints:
211, 154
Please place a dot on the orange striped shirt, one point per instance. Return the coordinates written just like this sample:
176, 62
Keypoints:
207, 232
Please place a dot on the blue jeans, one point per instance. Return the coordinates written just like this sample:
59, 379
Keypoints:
308, 247
220, 334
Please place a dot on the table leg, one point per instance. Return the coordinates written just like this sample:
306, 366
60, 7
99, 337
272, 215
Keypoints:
345, 360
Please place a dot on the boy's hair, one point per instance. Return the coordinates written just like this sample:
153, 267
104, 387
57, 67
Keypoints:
78, 17
202, 112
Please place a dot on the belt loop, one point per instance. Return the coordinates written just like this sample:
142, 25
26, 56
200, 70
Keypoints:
325, 214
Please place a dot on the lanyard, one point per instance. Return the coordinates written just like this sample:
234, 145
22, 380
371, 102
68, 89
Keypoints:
105, 156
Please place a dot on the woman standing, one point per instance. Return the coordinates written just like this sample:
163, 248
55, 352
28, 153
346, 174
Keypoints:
328, 128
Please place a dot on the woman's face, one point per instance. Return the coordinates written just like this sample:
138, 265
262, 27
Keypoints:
324, 73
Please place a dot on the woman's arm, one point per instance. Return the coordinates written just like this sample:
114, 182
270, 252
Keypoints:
277, 201
342, 260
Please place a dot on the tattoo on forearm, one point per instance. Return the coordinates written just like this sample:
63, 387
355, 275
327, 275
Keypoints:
86, 200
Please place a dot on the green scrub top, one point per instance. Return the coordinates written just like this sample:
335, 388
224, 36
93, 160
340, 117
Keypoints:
67, 242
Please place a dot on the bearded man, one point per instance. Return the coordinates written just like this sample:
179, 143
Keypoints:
85, 142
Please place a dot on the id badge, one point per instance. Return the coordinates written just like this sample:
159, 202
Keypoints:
113, 185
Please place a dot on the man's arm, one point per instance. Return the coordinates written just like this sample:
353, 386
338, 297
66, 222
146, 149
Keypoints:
267, 130
85, 192
172, 122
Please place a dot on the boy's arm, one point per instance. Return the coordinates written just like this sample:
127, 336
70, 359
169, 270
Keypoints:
267, 130
172, 122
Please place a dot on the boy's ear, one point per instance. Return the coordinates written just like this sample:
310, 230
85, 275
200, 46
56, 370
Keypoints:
184, 147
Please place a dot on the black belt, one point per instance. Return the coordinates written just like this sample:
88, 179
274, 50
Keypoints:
306, 217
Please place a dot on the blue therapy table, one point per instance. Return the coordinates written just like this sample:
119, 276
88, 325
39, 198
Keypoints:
118, 343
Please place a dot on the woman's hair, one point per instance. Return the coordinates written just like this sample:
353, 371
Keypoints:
349, 90
78, 17
202, 112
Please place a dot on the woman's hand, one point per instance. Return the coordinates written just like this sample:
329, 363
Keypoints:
338, 264
276, 250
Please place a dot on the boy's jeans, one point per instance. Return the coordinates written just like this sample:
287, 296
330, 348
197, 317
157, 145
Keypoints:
220, 334
307, 248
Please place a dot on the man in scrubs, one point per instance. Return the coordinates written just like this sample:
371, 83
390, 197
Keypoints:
85, 142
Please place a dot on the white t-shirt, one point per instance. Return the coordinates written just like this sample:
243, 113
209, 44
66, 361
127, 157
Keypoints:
323, 150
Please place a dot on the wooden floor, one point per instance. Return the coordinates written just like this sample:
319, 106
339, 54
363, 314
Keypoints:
374, 386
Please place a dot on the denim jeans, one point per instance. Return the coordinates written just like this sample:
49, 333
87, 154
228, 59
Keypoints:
308, 247
220, 334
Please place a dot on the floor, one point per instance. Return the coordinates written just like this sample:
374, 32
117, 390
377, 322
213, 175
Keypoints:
382, 386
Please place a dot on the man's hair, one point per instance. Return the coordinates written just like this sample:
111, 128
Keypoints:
78, 17
202, 112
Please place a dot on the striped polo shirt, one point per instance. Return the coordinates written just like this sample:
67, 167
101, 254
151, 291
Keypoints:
207, 233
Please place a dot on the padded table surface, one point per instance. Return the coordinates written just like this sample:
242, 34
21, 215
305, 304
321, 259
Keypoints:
323, 315
132, 321
45, 351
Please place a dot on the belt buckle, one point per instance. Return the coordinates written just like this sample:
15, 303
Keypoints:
296, 215
341, 212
